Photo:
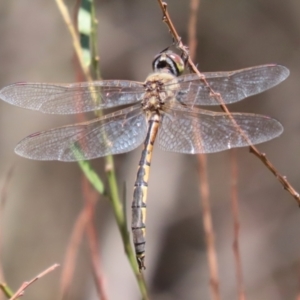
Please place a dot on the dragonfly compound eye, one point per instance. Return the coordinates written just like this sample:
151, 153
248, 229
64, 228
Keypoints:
170, 62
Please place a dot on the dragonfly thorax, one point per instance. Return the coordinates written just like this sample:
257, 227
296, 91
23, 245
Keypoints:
156, 93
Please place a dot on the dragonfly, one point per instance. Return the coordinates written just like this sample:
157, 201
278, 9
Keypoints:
164, 107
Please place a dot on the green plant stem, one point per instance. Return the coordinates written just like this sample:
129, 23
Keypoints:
6, 290
111, 176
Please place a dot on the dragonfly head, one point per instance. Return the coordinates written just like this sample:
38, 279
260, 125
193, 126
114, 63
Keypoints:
168, 62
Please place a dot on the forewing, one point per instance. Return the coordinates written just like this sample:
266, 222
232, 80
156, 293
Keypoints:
203, 131
233, 86
113, 134
72, 98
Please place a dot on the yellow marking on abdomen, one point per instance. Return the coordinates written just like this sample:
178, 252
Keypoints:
140, 192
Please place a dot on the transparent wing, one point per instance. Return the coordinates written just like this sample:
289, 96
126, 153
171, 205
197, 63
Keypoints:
72, 98
113, 134
202, 131
233, 86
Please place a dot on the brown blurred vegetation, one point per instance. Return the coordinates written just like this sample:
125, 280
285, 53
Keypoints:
45, 197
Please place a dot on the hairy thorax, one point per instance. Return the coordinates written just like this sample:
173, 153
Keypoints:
157, 93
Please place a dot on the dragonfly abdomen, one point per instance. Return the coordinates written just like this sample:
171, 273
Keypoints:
140, 192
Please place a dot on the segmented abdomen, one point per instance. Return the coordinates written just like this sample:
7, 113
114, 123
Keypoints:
140, 192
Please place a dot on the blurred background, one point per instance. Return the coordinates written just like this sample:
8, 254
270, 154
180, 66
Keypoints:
45, 198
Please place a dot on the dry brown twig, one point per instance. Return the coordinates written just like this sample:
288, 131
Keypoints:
204, 184
3, 197
236, 226
234, 178
194, 6
262, 156
83, 223
71, 253
91, 197
204, 187
25, 285
208, 228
